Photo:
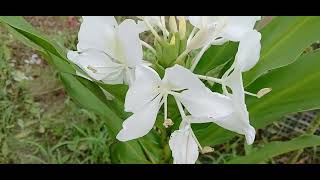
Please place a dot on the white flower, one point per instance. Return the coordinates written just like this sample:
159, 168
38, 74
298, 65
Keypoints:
108, 52
219, 29
183, 145
147, 94
247, 56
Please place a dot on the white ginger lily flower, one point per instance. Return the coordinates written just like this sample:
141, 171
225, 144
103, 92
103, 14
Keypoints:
216, 30
226, 28
108, 52
247, 56
147, 94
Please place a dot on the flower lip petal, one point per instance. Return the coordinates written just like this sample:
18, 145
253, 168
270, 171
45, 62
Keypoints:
141, 122
143, 90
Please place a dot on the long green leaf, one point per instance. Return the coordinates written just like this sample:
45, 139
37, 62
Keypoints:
85, 92
26, 29
276, 148
283, 41
295, 89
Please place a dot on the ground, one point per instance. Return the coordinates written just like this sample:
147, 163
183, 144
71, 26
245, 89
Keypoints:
39, 123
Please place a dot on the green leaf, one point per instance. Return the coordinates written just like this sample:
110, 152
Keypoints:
276, 148
26, 29
88, 99
91, 97
128, 153
215, 56
295, 89
86, 93
283, 41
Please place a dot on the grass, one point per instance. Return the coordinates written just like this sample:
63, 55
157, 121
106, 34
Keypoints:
39, 123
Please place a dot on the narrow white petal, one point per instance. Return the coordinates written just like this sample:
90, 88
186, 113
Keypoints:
143, 90
237, 26
130, 42
181, 78
249, 50
97, 65
141, 122
183, 146
205, 103
238, 122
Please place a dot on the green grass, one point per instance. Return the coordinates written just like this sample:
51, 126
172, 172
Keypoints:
38, 121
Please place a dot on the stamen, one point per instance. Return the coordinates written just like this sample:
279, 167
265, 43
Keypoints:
264, 92
216, 80
193, 32
182, 113
261, 93
146, 45
165, 107
182, 55
198, 57
198, 143
207, 149
153, 31
184, 117
167, 123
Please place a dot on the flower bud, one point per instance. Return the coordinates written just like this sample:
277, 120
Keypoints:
173, 24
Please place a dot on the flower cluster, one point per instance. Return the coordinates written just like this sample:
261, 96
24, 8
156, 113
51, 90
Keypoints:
112, 53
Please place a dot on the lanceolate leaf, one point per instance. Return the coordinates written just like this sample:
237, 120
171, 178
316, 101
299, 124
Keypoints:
283, 41
295, 89
23, 27
85, 92
277, 148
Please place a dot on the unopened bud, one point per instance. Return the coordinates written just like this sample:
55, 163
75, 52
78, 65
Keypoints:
173, 24
182, 27
263, 92
173, 40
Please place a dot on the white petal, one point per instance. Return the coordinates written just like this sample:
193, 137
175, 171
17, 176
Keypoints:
143, 90
183, 146
196, 21
141, 122
98, 66
181, 78
249, 50
237, 26
98, 32
235, 83
142, 27
205, 103
238, 122
130, 42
